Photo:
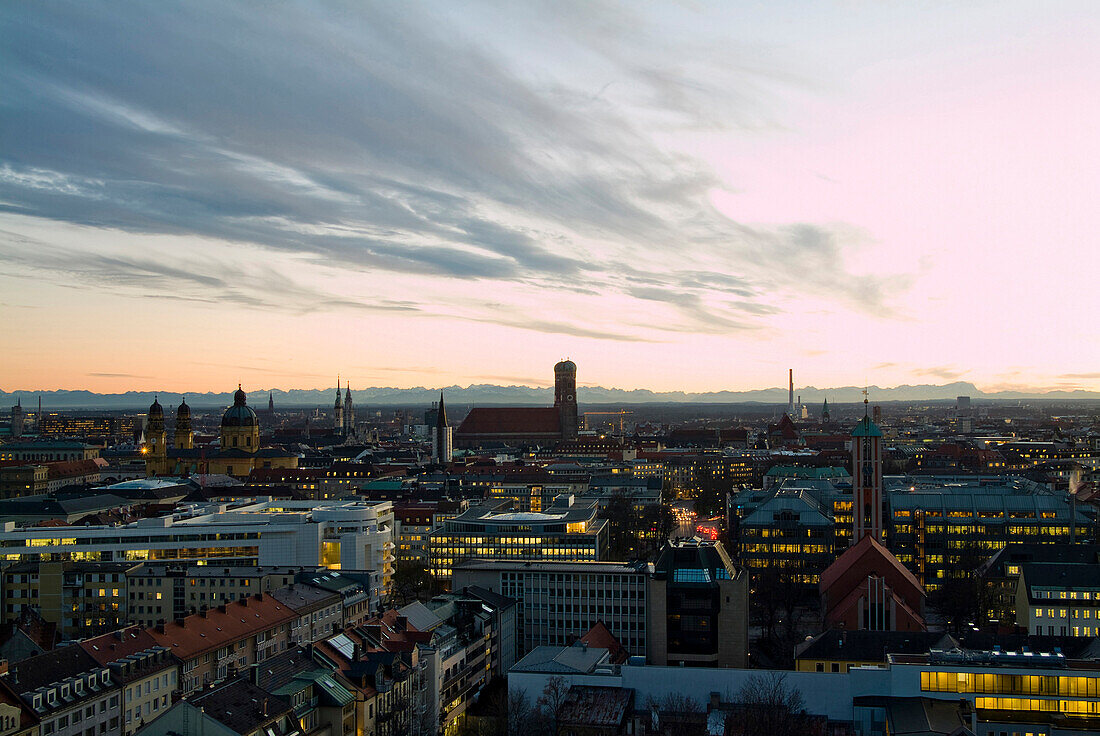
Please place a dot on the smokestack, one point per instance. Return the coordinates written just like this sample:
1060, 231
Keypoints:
790, 392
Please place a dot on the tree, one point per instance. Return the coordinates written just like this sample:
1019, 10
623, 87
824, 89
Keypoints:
411, 582
961, 598
519, 713
769, 705
622, 526
550, 702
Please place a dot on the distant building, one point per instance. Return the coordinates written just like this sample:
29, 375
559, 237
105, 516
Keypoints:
442, 436
238, 454
48, 450
526, 426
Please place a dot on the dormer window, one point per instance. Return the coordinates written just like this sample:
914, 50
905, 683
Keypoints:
36, 702
64, 691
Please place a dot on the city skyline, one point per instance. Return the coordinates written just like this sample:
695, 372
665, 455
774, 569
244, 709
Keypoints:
675, 198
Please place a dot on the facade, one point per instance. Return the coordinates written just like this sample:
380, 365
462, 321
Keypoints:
868, 588
567, 530
792, 531
81, 598
21, 479
145, 670
558, 602
346, 535
1059, 599
164, 591
217, 643
320, 612
463, 640
69, 691
698, 607
1000, 574
50, 451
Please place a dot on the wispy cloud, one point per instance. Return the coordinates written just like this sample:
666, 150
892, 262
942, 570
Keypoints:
947, 373
384, 144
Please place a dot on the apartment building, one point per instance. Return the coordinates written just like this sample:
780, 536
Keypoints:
145, 670
82, 598
219, 642
69, 691
320, 612
164, 591
1059, 598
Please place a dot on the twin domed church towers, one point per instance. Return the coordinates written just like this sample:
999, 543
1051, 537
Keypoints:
238, 454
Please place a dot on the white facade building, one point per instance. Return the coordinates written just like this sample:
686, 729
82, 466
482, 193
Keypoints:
252, 531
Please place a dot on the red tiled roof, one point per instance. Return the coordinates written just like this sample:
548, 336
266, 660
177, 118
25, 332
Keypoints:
72, 468
511, 420
866, 546
114, 646
600, 637
201, 633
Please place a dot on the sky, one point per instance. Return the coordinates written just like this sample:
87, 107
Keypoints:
675, 195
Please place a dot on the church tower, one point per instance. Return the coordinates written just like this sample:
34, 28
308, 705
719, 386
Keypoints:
442, 436
825, 412
338, 411
866, 479
565, 397
184, 439
349, 413
156, 440
270, 404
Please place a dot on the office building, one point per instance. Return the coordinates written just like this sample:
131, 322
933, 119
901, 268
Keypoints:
334, 534
698, 607
558, 602
567, 530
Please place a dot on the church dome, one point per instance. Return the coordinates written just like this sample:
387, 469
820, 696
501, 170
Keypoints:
565, 366
240, 414
155, 409
184, 411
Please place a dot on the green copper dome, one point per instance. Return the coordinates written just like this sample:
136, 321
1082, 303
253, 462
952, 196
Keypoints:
866, 428
240, 414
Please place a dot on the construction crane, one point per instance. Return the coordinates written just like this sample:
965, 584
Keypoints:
620, 414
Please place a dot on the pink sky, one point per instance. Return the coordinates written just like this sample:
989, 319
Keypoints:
674, 198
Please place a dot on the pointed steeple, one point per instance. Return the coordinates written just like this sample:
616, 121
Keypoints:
441, 415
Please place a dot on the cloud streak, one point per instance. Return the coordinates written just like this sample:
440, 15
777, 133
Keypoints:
383, 144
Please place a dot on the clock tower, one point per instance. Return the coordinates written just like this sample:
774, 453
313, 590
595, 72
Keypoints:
866, 479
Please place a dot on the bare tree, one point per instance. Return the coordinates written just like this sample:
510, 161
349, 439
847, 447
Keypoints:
550, 702
769, 705
519, 713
